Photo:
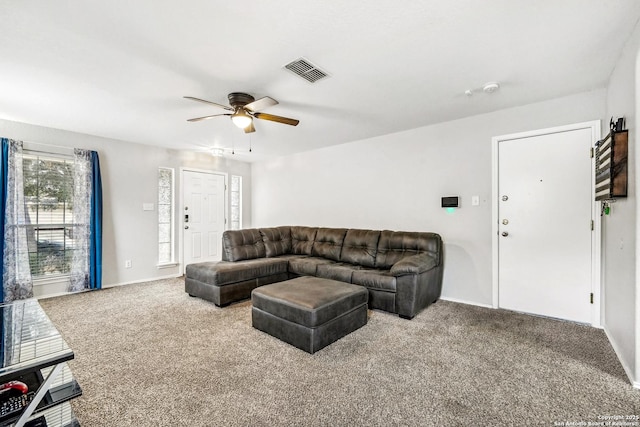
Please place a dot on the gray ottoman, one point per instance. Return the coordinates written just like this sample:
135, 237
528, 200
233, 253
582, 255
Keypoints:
309, 312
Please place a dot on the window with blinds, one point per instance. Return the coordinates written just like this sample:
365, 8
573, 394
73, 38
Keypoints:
48, 193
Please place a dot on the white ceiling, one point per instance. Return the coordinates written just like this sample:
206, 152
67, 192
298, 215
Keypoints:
120, 68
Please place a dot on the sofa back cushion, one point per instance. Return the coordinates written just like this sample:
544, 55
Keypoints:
302, 240
395, 245
242, 244
277, 241
328, 243
360, 247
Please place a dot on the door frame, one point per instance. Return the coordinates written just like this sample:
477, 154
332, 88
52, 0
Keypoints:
596, 257
180, 221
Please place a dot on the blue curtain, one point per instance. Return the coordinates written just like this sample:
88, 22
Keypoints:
95, 248
4, 164
86, 265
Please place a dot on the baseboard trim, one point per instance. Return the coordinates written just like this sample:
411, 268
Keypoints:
133, 282
616, 349
113, 285
477, 304
57, 294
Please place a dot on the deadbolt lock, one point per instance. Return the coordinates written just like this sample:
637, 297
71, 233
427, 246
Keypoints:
505, 221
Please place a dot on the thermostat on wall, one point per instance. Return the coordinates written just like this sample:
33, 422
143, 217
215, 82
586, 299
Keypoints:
450, 202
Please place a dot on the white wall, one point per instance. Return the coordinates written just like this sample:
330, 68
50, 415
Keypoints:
129, 179
396, 182
619, 228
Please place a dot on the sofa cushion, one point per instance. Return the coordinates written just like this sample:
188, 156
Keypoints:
277, 241
338, 271
374, 279
328, 243
396, 245
306, 266
414, 264
302, 240
242, 244
225, 272
308, 301
360, 247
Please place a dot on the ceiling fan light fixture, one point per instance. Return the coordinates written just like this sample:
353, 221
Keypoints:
241, 119
244, 108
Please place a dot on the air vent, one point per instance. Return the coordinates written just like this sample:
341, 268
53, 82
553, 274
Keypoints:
307, 70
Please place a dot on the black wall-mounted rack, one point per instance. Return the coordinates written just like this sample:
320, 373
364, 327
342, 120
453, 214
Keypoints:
612, 163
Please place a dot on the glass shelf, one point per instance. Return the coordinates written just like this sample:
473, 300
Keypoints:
58, 416
28, 339
30, 348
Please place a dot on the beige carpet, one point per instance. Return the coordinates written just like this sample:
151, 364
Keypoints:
149, 355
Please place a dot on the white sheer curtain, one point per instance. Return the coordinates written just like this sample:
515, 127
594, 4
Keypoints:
82, 193
16, 280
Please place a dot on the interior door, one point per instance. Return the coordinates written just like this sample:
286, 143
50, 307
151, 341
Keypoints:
545, 224
203, 216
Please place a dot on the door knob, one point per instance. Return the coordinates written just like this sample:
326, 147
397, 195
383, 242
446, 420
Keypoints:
505, 234
186, 227
505, 198
505, 221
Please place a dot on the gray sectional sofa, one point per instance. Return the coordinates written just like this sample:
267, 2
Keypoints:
401, 270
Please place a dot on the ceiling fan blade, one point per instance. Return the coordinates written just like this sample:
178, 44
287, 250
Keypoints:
261, 104
208, 102
249, 128
197, 119
279, 119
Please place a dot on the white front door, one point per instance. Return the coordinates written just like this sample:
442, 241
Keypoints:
203, 216
545, 204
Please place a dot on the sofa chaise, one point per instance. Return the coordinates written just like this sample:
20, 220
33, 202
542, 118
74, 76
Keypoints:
401, 270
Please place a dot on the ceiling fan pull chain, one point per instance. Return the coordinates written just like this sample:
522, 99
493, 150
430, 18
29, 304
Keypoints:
250, 143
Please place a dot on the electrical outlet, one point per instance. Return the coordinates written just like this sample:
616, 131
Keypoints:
127, 264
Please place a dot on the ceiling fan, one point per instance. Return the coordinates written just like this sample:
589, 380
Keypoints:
244, 109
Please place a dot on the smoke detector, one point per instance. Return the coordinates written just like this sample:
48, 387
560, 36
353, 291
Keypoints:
491, 87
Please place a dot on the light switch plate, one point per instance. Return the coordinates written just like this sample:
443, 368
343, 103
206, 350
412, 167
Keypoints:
475, 200
147, 206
